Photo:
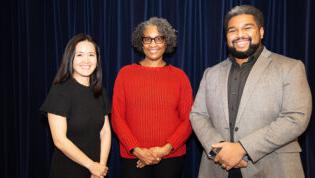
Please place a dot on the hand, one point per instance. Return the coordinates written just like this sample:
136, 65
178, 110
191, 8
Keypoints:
94, 176
162, 151
241, 164
146, 156
98, 169
230, 154
140, 164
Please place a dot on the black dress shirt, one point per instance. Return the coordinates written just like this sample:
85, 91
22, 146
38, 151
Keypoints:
236, 82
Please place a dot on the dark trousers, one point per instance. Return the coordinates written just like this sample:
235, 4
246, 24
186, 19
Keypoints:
235, 173
166, 168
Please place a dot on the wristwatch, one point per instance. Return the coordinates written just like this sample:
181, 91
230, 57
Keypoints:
213, 153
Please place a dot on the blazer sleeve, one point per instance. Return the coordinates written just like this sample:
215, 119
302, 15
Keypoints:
292, 120
200, 120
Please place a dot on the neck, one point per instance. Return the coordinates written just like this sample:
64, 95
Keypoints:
82, 80
152, 63
241, 61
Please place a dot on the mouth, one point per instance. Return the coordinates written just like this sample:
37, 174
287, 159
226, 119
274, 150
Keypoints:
85, 67
154, 50
241, 42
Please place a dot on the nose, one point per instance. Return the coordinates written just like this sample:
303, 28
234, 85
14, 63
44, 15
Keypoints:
242, 33
152, 42
86, 58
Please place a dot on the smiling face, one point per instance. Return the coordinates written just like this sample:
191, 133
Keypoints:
153, 51
243, 36
85, 60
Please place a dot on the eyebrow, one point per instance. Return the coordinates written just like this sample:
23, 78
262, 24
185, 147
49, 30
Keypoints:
152, 37
84, 52
247, 24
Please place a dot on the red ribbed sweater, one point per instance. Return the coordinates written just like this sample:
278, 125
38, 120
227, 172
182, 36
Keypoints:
151, 107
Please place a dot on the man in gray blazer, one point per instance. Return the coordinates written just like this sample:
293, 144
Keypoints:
251, 108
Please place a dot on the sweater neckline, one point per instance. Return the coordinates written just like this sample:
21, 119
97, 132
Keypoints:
138, 65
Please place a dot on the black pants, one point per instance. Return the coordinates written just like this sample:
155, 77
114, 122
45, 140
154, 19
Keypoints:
166, 168
235, 173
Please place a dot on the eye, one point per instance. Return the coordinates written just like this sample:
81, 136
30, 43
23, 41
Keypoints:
146, 39
79, 55
92, 55
232, 30
159, 39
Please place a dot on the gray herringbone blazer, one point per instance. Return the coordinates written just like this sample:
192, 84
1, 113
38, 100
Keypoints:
274, 110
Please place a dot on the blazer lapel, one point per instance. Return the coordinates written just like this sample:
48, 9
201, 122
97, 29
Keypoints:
253, 77
223, 82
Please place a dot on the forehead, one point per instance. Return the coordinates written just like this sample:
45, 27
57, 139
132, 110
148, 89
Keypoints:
85, 46
241, 20
150, 30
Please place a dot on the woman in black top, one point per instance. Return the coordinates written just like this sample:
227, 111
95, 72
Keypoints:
77, 110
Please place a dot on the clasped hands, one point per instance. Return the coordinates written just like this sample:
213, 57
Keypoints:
230, 156
97, 170
150, 156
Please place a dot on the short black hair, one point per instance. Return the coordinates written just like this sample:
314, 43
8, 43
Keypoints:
244, 9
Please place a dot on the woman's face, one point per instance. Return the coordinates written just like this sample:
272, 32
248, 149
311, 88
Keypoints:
153, 43
85, 60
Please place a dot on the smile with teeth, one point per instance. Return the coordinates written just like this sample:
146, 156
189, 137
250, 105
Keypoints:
154, 50
85, 67
241, 43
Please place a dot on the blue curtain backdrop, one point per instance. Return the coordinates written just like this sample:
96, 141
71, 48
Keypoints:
35, 32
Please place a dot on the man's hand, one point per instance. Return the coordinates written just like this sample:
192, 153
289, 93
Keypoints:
241, 164
230, 154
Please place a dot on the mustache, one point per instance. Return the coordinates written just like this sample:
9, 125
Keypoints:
242, 38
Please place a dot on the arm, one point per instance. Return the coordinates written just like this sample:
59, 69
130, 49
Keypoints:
200, 120
105, 136
183, 131
119, 123
58, 127
293, 118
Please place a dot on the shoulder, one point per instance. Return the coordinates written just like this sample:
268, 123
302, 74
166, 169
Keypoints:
128, 68
63, 88
284, 60
178, 72
217, 68
284, 63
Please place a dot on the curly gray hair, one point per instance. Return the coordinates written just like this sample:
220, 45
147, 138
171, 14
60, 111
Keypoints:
164, 28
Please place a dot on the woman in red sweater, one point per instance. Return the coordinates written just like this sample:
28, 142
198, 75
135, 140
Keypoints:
151, 104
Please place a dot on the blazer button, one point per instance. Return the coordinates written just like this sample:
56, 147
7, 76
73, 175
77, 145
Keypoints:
236, 129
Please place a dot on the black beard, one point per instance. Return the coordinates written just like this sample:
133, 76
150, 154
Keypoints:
243, 54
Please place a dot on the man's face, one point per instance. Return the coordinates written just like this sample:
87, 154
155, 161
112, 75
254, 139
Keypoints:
243, 36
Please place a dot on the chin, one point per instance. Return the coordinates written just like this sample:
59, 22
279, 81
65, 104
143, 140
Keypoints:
153, 58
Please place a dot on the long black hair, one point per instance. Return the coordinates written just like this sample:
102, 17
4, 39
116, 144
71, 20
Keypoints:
66, 67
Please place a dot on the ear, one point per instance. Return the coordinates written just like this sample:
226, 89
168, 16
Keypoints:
261, 31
